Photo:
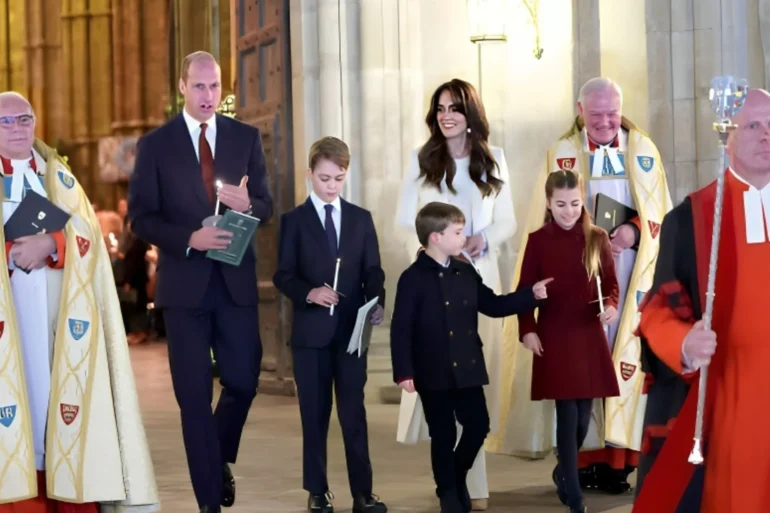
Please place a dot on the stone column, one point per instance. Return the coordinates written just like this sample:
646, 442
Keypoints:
586, 56
12, 38
764, 33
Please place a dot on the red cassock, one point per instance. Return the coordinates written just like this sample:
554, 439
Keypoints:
42, 504
576, 361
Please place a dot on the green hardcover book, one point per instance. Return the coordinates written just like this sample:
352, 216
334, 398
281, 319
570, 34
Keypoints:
242, 227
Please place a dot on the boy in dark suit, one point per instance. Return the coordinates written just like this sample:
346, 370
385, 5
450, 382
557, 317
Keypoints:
436, 348
314, 237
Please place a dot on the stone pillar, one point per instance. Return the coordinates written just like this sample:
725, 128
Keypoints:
12, 38
763, 18
586, 56
155, 62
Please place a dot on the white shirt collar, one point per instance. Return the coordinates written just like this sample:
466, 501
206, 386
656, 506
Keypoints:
193, 124
756, 209
622, 140
320, 204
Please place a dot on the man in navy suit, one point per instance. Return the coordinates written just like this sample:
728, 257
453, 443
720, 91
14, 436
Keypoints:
313, 237
206, 304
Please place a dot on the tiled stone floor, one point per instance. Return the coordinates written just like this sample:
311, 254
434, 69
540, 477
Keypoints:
269, 470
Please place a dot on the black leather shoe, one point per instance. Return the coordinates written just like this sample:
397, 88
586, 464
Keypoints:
450, 503
210, 509
228, 486
320, 503
578, 510
368, 504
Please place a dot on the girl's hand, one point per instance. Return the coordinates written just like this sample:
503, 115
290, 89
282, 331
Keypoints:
532, 342
609, 315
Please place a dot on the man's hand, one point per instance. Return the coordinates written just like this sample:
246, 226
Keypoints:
622, 238
699, 345
377, 315
408, 385
540, 290
210, 237
32, 251
609, 315
474, 245
532, 342
237, 198
323, 296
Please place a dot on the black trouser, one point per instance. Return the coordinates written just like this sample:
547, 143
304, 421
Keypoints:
468, 407
572, 419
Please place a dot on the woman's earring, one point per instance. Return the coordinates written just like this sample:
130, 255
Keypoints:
469, 129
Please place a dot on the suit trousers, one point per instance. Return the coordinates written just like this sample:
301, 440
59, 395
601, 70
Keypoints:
212, 438
316, 371
451, 458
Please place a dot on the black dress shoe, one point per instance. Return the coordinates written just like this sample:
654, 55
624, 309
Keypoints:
210, 509
228, 486
368, 504
320, 503
578, 510
450, 503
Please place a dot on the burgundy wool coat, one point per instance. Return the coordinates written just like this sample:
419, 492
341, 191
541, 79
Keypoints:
576, 361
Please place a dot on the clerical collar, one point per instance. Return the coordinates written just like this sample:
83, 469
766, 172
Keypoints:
592, 146
756, 209
8, 164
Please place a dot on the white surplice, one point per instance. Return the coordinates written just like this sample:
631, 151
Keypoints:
31, 301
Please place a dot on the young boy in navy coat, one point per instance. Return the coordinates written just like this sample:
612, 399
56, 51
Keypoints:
436, 348
313, 237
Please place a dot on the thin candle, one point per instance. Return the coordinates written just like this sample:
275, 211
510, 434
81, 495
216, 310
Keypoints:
599, 288
219, 186
336, 277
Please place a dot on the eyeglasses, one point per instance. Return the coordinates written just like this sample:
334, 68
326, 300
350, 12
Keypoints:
23, 120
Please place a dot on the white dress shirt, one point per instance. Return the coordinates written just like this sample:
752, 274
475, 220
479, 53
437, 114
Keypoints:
320, 208
194, 126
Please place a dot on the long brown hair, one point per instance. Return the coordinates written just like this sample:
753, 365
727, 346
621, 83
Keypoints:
559, 180
437, 164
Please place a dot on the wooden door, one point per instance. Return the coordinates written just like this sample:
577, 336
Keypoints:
263, 99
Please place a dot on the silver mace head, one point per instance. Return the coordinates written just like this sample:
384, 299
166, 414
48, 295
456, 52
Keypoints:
727, 96
696, 455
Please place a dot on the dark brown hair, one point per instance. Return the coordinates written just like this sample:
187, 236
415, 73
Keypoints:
591, 255
331, 149
435, 161
435, 217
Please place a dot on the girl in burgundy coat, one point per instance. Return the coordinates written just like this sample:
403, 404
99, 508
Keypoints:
572, 363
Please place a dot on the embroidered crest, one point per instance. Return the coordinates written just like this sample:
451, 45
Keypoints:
7, 415
66, 179
654, 228
69, 412
566, 164
83, 245
639, 297
78, 328
646, 163
627, 370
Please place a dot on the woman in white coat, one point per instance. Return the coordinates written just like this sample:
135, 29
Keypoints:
457, 165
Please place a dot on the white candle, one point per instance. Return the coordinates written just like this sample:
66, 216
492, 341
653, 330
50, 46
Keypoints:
216, 208
599, 288
336, 276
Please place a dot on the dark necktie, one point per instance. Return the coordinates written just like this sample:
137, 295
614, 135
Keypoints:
331, 231
207, 163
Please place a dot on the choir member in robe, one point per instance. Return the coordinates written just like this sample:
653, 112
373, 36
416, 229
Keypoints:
618, 160
71, 433
572, 363
736, 472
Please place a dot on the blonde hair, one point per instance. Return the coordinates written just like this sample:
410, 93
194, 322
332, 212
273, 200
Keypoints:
593, 234
329, 148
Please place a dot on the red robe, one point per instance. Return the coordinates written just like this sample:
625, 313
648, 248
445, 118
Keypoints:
736, 474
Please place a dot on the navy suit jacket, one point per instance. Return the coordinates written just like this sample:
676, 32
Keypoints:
168, 202
305, 262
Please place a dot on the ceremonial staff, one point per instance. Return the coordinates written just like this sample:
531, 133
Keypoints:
727, 96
